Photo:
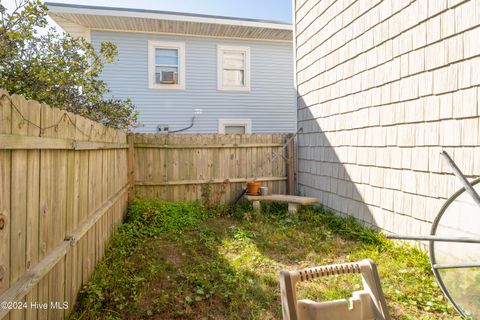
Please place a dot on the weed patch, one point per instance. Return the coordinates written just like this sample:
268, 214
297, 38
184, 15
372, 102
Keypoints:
182, 261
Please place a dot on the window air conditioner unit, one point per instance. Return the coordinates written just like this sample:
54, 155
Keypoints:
168, 77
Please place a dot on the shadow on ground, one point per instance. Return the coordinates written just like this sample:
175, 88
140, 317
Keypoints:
227, 267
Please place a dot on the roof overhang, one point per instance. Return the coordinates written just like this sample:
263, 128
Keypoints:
78, 19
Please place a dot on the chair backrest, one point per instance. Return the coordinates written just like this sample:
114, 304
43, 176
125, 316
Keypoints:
367, 304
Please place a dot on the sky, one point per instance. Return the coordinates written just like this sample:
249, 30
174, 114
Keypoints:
277, 10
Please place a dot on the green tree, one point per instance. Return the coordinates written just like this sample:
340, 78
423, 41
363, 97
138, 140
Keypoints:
57, 69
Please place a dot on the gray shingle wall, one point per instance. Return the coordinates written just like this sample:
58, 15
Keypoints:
383, 87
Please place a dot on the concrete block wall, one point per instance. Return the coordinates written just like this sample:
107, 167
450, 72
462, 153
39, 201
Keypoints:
383, 88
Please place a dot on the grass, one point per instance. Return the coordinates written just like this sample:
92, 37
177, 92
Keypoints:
182, 261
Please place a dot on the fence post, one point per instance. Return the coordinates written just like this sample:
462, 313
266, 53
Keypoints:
290, 166
130, 168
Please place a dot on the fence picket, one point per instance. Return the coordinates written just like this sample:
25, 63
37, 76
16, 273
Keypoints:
5, 175
18, 226
33, 204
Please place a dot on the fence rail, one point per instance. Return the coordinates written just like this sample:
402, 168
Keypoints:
211, 181
208, 146
17, 142
178, 167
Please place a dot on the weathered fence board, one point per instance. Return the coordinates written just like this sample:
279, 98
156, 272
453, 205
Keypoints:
179, 167
61, 177
33, 203
5, 177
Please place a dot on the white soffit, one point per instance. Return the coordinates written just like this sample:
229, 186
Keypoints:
74, 17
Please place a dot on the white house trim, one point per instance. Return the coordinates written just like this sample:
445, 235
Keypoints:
234, 122
247, 72
152, 45
174, 23
185, 35
162, 15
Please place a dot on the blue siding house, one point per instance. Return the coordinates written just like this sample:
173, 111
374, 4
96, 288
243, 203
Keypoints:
193, 73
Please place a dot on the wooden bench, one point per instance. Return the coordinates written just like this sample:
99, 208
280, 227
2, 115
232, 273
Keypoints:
293, 201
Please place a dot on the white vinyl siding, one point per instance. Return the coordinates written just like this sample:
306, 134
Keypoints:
233, 68
166, 65
270, 104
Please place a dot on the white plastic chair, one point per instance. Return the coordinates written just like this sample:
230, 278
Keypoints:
367, 304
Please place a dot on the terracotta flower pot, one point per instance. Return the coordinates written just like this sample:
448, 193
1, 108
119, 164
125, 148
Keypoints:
253, 188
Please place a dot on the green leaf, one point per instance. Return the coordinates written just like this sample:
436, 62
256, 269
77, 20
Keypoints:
56, 69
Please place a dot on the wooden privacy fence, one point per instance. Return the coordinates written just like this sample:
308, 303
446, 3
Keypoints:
65, 182
181, 167
63, 189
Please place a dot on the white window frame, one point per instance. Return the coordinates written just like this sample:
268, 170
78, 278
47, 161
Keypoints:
246, 52
180, 46
234, 122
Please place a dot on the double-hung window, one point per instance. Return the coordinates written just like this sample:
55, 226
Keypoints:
233, 68
166, 65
